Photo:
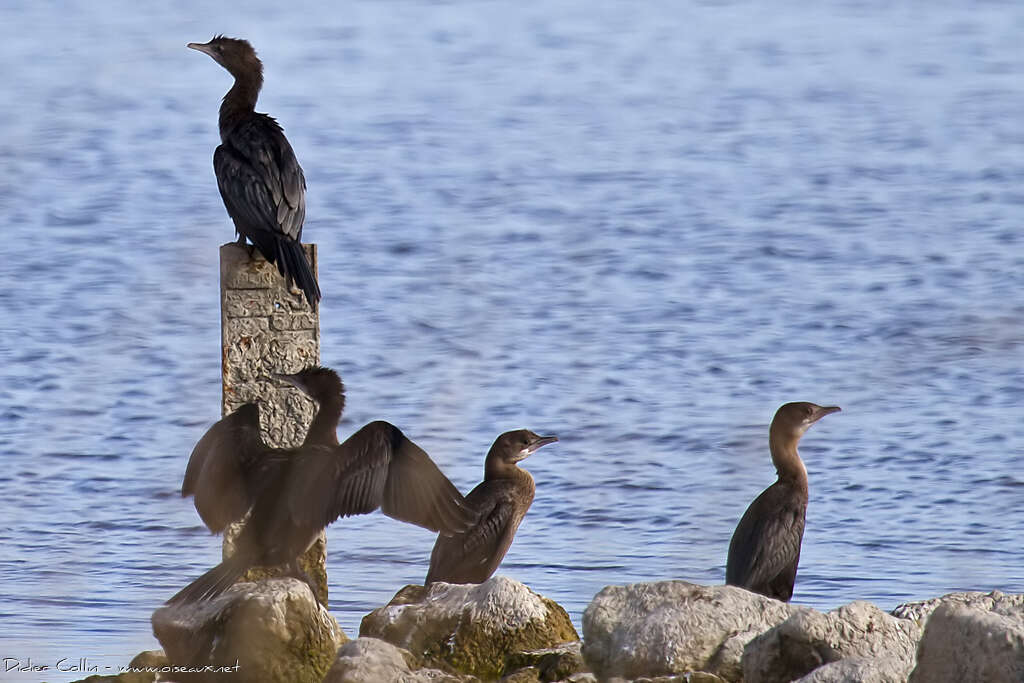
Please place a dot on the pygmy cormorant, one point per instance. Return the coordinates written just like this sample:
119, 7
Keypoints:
260, 180
294, 493
765, 548
501, 500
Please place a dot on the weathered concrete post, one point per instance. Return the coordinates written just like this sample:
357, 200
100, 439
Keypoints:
266, 328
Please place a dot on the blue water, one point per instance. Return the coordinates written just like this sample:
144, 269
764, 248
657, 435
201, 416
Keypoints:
641, 227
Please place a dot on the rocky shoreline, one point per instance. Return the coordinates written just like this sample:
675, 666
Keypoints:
659, 631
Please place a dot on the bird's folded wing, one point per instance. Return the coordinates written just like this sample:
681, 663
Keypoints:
260, 180
769, 544
459, 558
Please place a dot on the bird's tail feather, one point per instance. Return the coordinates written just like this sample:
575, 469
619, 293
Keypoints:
212, 583
295, 267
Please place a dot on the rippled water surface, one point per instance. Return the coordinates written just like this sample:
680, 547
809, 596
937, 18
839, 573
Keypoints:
641, 227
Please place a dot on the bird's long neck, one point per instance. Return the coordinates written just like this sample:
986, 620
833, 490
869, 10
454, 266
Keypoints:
499, 468
239, 102
324, 428
788, 464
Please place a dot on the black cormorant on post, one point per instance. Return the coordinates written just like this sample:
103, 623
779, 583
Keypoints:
765, 548
501, 500
294, 493
259, 178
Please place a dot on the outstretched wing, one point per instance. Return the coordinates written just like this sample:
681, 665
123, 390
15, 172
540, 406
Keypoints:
765, 548
261, 182
378, 466
218, 471
472, 556
416, 491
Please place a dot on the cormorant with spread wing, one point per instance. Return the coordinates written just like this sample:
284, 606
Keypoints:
294, 493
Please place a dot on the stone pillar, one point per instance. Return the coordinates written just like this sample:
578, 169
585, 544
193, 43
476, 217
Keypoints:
267, 328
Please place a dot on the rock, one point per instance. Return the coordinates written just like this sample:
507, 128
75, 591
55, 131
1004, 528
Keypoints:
674, 627
273, 630
370, 660
470, 629
859, 670
1010, 605
147, 659
525, 675
808, 639
965, 642
694, 677
549, 664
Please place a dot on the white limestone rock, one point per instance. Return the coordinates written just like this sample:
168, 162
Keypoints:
674, 627
274, 630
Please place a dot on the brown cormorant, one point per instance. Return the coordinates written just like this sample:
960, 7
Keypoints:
260, 180
294, 493
501, 500
765, 548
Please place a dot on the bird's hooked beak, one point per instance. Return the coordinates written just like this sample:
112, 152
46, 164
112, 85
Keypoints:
535, 444
292, 380
205, 48
822, 411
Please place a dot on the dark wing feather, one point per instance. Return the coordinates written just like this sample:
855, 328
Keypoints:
376, 467
416, 491
340, 481
218, 471
472, 556
261, 182
766, 543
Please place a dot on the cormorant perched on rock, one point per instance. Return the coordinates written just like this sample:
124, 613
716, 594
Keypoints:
501, 500
294, 493
765, 548
259, 178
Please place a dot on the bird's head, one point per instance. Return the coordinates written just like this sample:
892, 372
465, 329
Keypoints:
511, 447
234, 54
317, 382
792, 420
